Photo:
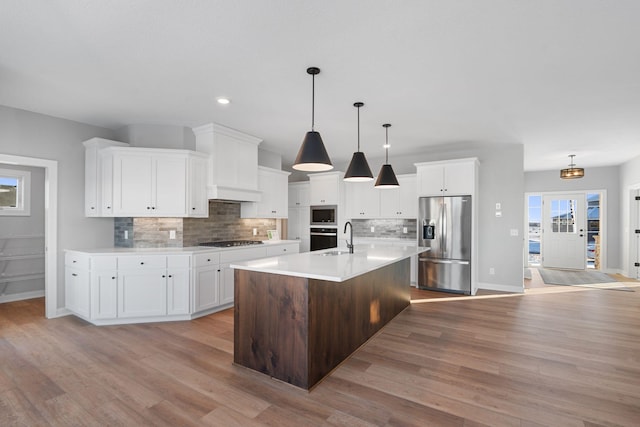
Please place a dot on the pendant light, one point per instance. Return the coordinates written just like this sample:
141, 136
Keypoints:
386, 177
572, 172
312, 156
358, 170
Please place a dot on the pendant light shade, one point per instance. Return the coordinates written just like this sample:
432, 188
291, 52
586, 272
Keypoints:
386, 177
572, 172
312, 156
358, 170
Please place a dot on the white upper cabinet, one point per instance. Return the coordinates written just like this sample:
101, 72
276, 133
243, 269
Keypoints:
142, 182
326, 188
400, 202
198, 203
362, 200
233, 162
149, 182
98, 172
447, 178
273, 203
299, 194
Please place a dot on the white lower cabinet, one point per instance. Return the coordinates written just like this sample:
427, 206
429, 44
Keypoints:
104, 294
142, 293
128, 288
206, 281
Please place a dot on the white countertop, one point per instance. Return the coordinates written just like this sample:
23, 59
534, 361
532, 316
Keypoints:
174, 251
335, 268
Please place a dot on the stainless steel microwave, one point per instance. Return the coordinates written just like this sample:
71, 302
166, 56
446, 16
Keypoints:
324, 215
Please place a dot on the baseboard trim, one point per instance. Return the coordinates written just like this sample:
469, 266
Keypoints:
21, 296
501, 288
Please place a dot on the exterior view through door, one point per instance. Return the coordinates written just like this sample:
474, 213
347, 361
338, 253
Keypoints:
564, 231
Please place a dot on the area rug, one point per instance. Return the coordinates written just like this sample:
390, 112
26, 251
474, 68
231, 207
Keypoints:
578, 278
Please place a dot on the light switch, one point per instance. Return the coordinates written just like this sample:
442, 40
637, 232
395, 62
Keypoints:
498, 214
373, 229
498, 206
172, 234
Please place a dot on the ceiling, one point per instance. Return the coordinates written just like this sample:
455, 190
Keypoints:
559, 77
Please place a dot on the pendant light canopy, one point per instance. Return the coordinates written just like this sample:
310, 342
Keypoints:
358, 170
312, 156
386, 177
572, 172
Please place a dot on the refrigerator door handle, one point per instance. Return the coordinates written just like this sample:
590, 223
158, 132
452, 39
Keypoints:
444, 261
444, 235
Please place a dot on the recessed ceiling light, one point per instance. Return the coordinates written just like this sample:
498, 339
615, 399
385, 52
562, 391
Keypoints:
222, 100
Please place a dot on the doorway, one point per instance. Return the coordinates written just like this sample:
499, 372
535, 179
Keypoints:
50, 225
565, 230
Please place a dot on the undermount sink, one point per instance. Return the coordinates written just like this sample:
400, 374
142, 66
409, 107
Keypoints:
334, 253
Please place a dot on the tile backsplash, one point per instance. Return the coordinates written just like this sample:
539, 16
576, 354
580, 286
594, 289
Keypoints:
223, 223
385, 228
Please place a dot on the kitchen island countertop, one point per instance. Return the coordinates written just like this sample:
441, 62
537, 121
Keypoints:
327, 265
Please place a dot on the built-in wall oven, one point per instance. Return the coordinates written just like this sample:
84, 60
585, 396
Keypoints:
324, 215
323, 238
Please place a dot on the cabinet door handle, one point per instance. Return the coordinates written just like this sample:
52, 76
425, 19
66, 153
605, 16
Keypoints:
193, 209
92, 207
142, 263
170, 275
153, 207
108, 207
218, 271
74, 261
148, 207
113, 277
74, 274
208, 259
164, 277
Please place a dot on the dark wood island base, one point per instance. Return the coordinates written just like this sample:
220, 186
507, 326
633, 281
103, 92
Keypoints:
298, 329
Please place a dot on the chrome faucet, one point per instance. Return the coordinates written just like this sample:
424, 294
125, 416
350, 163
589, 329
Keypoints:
350, 241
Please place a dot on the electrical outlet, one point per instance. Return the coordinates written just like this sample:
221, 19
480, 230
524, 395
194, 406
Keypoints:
126, 234
498, 214
405, 230
172, 234
373, 229
255, 231
492, 270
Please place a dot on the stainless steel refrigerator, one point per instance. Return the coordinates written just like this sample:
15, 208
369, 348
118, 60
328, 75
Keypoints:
445, 228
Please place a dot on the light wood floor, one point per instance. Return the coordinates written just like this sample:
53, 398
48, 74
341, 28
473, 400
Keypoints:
567, 358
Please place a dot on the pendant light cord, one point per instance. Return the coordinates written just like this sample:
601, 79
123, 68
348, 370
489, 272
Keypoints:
313, 100
386, 148
358, 129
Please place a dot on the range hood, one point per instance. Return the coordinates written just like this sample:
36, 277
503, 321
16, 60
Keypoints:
232, 172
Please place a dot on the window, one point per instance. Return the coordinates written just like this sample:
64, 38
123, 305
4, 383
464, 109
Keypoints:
535, 216
15, 192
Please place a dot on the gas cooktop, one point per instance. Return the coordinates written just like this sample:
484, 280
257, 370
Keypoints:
231, 243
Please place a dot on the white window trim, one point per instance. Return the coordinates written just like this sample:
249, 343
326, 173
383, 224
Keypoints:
23, 207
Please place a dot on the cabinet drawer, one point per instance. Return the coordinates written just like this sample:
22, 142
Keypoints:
210, 258
291, 248
104, 263
242, 254
142, 261
179, 261
74, 259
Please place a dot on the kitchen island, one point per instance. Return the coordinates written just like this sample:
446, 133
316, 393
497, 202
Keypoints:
297, 317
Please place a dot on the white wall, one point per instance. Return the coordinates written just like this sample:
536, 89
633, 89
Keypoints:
23, 133
629, 180
595, 179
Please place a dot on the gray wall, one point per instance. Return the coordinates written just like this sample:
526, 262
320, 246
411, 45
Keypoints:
595, 179
23, 133
157, 136
501, 179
